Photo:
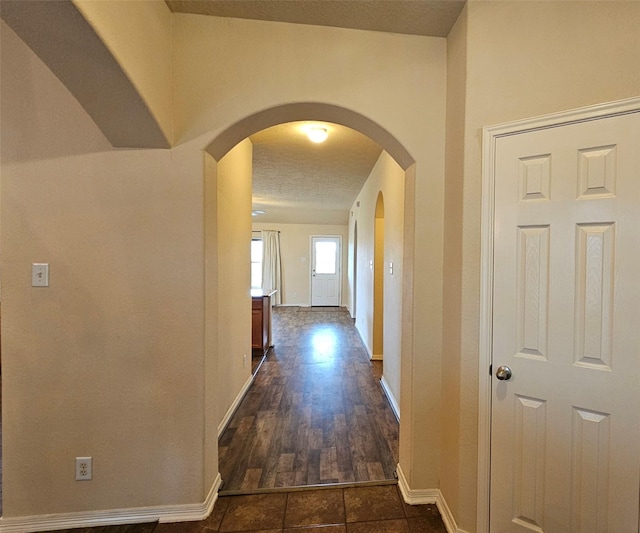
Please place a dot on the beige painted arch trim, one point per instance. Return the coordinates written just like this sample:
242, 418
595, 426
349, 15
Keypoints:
294, 112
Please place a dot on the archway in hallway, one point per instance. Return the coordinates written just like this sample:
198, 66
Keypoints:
378, 280
246, 127
354, 272
231, 137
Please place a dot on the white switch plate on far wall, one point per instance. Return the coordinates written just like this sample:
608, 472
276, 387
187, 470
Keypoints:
40, 275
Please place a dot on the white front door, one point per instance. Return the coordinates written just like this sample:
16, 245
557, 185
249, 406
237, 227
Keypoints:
325, 271
565, 427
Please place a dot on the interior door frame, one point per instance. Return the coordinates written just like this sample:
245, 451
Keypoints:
490, 135
338, 261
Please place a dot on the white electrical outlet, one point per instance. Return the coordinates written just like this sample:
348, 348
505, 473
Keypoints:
244, 360
84, 468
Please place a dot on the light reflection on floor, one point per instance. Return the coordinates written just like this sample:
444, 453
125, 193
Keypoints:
324, 342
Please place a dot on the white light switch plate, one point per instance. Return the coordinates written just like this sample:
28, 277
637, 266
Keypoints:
40, 275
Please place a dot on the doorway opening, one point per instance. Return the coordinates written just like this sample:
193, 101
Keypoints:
354, 271
405, 165
378, 280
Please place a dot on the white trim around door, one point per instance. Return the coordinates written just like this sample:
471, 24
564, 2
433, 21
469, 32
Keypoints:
490, 136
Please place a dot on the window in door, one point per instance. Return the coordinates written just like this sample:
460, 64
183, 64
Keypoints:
256, 263
326, 252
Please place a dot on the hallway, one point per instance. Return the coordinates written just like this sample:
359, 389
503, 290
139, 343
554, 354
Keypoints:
315, 414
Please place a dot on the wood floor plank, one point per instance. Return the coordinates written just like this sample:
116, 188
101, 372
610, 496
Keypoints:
315, 414
316, 438
285, 474
375, 470
328, 465
251, 477
313, 468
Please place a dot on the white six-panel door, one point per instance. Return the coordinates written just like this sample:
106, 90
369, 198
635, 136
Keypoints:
565, 427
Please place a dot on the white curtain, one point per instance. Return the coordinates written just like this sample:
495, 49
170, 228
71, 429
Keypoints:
271, 270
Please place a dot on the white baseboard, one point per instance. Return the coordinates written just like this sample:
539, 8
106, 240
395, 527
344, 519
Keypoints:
369, 353
392, 399
232, 409
135, 515
424, 496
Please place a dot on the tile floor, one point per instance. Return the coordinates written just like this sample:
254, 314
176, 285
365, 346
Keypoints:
370, 509
367, 509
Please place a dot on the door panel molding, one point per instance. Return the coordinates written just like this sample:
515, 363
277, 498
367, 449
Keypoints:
490, 135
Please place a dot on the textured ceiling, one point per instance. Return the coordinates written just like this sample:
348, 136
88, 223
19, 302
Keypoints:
295, 180
416, 17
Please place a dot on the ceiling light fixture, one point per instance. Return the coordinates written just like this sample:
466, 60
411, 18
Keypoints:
317, 134
257, 212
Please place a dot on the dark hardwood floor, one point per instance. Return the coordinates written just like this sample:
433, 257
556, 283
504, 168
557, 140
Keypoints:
315, 414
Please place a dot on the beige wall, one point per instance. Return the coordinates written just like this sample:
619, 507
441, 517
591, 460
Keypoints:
211, 313
142, 326
386, 177
139, 35
107, 361
522, 59
234, 173
452, 324
295, 249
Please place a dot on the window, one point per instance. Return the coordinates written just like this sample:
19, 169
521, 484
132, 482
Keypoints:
326, 257
256, 263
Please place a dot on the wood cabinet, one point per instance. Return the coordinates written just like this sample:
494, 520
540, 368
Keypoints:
261, 320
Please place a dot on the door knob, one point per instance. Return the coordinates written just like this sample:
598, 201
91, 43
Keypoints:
503, 373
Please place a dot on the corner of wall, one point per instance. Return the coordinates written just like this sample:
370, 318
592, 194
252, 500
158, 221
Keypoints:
425, 497
453, 261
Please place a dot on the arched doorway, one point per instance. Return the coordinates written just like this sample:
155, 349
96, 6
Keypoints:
246, 127
378, 280
354, 272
